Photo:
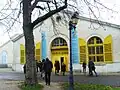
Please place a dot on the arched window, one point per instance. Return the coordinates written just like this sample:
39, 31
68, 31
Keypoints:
95, 49
4, 57
59, 42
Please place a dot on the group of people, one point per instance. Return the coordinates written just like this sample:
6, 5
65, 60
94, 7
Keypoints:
91, 67
59, 67
45, 67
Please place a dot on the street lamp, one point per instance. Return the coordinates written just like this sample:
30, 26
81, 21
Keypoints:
72, 26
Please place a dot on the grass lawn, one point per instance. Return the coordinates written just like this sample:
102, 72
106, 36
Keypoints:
36, 87
116, 88
78, 86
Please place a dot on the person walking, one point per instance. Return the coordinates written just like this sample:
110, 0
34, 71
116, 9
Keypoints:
39, 66
48, 69
90, 64
24, 68
42, 69
84, 67
63, 68
91, 67
57, 67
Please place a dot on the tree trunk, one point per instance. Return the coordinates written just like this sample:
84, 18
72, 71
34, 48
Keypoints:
31, 74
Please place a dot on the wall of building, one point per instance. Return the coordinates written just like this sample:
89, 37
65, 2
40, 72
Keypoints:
16, 47
16, 59
85, 31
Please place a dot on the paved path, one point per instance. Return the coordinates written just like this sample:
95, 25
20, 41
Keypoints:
13, 85
8, 85
113, 80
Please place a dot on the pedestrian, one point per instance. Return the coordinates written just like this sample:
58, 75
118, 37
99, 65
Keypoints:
57, 67
37, 67
91, 67
90, 63
24, 68
48, 69
42, 69
84, 67
63, 68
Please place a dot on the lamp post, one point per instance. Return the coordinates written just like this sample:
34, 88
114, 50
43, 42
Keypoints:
72, 25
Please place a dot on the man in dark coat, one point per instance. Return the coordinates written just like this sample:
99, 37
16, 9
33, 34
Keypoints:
57, 67
91, 67
48, 69
42, 69
39, 65
84, 67
63, 68
24, 68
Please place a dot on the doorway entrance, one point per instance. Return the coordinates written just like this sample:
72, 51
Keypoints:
61, 61
59, 51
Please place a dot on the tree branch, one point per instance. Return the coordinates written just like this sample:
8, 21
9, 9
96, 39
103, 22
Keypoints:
55, 4
49, 14
34, 5
39, 7
48, 6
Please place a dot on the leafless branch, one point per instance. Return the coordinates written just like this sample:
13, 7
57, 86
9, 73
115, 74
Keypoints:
48, 6
104, 6
54, 25
51, 8
49, 14
55, 4
34, 5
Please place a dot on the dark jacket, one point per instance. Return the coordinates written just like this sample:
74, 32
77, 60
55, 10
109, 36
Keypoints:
84, 65
57, 65
48, 66
91, 65
24, 68
40, 66
63, 68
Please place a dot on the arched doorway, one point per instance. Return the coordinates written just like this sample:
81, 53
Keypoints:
59, 51
95, 49
4, 57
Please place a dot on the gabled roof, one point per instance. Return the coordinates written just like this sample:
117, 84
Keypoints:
94, 20
100, 22
16, 35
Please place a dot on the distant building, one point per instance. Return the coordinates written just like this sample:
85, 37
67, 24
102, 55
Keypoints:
100, 45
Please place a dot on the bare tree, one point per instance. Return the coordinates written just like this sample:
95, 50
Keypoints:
49, 7
28, 25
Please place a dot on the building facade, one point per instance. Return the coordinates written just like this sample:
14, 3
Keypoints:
90, 40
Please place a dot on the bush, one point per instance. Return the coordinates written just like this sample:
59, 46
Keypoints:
78, 86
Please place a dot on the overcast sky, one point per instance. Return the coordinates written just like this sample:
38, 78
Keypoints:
105, 15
